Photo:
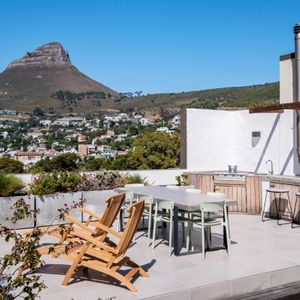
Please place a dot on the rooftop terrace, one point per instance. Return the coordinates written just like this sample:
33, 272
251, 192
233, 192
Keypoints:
263, 255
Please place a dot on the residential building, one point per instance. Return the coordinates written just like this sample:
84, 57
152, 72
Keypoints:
28, 158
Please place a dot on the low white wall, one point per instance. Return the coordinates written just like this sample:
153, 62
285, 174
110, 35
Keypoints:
158, 177
94, 200
215, 139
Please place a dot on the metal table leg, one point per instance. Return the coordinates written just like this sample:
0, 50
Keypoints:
224, 230
121, 220
175, 231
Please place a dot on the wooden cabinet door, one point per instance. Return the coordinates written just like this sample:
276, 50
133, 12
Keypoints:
235, 192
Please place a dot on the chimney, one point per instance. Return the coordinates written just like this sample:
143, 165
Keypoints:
297, 58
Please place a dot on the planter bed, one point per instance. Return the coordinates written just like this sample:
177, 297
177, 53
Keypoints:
48, 206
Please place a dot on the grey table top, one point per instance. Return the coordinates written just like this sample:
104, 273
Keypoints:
181, 198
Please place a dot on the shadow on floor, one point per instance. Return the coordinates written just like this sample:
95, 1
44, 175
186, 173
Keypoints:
89, 274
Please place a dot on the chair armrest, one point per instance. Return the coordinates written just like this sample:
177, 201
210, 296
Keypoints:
78, 223
108, 230
90, 213
90, 239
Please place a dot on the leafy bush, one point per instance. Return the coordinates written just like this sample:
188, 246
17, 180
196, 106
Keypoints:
10, 185
63, 182
22, 254
10, 165
69, 182
130, 179
63, 162
182, 179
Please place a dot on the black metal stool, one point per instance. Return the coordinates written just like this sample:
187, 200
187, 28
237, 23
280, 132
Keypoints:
278, 192
294, 212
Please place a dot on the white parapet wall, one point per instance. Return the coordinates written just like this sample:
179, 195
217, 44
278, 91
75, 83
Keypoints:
213, 139
158, 177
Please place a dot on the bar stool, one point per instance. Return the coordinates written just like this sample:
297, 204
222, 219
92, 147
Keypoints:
294, 212
278, 192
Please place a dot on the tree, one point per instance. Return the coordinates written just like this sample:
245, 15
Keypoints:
133, 130
9, 165
120, 163
38, 111
63, 162
119, 129
96, 164
155, 150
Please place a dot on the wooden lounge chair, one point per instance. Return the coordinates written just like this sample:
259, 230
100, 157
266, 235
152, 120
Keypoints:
110, 214
107, 259
65, 236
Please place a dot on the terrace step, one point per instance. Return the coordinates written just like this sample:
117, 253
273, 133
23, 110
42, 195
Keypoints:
290, 291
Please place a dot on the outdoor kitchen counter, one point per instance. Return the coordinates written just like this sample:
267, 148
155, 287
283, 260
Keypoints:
243, 187
247, 188
282, 179
265, 177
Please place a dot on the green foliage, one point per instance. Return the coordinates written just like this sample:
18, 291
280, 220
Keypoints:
237, 97
72, 98
63, 182
96, 164
63, 162
155, 150
22, 254
69, 182
130, 179
182, 179
38, 111
10, 185
10, 165
121, 163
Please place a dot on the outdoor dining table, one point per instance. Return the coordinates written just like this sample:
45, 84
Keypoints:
182, 200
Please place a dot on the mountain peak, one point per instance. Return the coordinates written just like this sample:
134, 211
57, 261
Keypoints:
48, 55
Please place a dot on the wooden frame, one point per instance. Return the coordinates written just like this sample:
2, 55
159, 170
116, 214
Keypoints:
277, 108
65, 236
108, 259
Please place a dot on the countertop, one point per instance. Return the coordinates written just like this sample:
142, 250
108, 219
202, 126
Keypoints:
265, 177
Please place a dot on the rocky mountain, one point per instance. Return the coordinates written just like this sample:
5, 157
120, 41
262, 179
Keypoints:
47, 78
50, 55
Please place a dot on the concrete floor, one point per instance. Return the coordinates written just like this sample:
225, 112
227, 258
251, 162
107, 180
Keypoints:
263, 255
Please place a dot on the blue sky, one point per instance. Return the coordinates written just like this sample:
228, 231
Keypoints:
157, 45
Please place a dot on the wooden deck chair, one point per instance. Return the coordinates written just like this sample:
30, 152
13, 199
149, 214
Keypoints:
65, 236
108, 217
97, 255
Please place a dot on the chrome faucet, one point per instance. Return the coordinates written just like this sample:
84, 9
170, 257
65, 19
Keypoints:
271, 171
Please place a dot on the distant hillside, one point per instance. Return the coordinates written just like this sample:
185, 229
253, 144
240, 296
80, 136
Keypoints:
38, 78
222, 98
46, 78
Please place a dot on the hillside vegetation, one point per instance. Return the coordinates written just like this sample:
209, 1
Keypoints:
222, 98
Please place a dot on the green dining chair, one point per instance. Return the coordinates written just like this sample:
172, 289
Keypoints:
148, 214
164, 213
130, 198
220, 218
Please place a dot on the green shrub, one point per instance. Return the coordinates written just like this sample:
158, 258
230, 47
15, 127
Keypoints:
130, 179
10, 185
69, 182
60, 163
182, 179
10, 165
63, 182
